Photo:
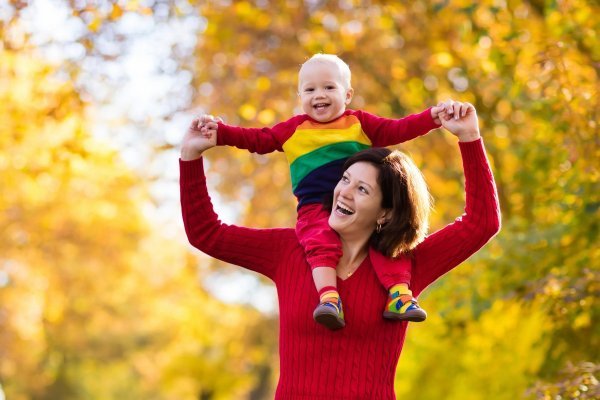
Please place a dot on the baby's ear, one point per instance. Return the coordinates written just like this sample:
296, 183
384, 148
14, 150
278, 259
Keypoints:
349, 94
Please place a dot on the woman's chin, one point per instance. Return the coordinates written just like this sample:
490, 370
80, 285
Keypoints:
340, 224
335, 223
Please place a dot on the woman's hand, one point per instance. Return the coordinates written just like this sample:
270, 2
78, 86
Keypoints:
461, 121
200, 136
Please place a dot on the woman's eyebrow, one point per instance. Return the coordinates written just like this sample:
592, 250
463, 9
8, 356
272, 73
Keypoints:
360, 181
366, 184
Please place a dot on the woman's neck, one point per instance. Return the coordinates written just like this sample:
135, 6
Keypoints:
353, 254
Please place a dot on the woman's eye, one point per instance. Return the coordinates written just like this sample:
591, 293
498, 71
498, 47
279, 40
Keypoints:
345, 179
363, 189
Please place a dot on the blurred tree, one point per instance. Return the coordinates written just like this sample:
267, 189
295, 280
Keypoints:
515, 317
93, 302
578, 382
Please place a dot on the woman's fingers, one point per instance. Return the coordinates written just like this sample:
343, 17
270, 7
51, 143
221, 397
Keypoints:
464, 108
458, 106
470, 107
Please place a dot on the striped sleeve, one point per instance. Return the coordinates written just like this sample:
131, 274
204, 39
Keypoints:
257, 140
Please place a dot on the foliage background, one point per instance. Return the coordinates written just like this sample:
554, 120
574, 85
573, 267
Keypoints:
97, 300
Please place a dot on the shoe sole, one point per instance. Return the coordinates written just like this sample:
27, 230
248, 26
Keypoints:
411, 317
329, 320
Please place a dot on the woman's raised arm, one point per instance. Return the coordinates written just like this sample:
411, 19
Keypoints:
255, 249
451, 245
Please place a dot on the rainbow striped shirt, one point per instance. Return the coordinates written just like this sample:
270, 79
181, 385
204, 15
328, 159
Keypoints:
316, 151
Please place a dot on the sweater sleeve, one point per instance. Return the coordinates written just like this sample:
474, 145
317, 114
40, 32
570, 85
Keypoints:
387, 132
257, 140
453, 244
259, 250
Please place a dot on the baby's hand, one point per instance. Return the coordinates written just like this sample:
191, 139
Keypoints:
207, 125
200, 136
442, 107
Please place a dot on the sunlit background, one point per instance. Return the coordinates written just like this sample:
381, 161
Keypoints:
101, 297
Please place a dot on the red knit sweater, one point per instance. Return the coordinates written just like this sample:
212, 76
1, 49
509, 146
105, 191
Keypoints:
359, 361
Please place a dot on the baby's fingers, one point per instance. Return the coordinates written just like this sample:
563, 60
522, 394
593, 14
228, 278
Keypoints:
444, 115
447, 106
196, 124
211, 125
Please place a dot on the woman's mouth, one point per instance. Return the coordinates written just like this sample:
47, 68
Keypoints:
343, 209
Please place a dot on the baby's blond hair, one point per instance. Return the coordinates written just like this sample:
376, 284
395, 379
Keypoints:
335, 60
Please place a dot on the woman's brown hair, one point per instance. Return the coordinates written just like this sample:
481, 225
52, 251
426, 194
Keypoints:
405, 194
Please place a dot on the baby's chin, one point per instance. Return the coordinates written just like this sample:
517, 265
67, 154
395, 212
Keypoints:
323, 117
319, 118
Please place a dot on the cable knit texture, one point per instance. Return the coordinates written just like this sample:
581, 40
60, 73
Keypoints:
359, 361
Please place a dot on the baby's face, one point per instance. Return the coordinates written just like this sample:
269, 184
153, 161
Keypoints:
322, 91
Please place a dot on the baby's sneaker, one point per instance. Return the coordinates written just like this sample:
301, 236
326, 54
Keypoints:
403, 307
330, 314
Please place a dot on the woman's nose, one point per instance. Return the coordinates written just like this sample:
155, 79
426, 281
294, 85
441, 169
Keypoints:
345, 192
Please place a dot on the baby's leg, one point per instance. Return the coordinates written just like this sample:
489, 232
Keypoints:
323, 251
395, 275
321, 244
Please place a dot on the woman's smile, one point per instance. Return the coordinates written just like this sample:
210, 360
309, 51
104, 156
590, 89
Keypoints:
357, 201
343, 209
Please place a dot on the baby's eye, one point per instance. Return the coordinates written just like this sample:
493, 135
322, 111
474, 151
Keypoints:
330, 87
308, 90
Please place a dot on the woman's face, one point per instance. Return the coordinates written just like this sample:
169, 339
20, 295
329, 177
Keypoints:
357, 201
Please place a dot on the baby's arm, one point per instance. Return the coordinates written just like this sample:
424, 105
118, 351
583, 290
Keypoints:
387, 132
256, 140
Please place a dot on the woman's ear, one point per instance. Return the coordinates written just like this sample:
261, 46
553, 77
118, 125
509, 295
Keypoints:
384, 217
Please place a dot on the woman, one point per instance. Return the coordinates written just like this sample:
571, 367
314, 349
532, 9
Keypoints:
358, 362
